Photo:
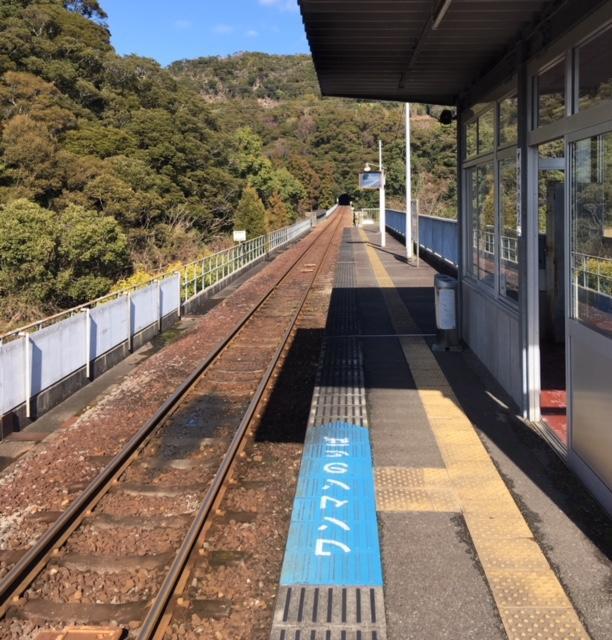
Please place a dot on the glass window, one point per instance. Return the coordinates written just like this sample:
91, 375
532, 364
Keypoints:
486, 132
483, 223
471, 139
551, 94
551, 174
592, 232
510, 229
594, 64
508, 111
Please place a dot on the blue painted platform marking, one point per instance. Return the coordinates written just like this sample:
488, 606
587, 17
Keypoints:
333, 536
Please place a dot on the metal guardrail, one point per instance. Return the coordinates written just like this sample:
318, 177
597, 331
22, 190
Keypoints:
437, 236
200, 275
592, 275
41, 354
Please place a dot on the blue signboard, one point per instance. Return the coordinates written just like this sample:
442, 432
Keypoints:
370, 180
333, 537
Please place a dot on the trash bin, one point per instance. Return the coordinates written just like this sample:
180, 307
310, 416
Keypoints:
446, 312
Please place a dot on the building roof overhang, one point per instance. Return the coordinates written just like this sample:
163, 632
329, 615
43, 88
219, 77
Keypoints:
428, 51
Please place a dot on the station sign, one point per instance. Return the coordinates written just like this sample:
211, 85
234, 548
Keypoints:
371, 180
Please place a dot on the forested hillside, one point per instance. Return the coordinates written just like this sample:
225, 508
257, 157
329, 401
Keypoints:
113, 165
325, 142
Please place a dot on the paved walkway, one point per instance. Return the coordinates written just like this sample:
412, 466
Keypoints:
483, 531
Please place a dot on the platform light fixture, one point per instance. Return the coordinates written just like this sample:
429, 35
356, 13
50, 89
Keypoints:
439, 14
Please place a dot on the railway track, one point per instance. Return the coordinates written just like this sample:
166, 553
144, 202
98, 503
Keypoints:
119, 555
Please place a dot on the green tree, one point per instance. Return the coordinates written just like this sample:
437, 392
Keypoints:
247, 157
130, 140
87, 8
277, 213
28, 252
54, 260
329, 187
289, 188
92, 254
250, 214
303, 170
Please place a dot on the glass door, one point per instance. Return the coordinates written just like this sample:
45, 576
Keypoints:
552, 278
590, 323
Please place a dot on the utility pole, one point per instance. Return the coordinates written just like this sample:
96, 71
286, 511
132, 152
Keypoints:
408, 187
382, 198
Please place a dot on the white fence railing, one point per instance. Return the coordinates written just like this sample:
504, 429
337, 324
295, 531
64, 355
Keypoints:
509, 245
213, 270
593, 273
43, 353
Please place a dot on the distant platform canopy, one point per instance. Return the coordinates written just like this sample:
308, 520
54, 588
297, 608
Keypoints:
422, 50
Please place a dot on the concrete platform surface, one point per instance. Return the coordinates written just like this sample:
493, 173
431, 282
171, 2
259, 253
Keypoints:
484, 532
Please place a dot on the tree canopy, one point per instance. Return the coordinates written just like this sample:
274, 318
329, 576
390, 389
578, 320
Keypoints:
64, 257
111, 165
250, 214
323, 143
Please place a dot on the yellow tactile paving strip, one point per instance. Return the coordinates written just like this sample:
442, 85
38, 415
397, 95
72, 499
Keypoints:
401, 489
530, 599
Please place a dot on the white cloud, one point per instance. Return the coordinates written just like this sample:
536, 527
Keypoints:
282, 5
223, 28
182, 24
251, 33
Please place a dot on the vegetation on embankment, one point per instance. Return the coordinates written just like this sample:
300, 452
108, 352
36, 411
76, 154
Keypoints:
111, 165
326, 142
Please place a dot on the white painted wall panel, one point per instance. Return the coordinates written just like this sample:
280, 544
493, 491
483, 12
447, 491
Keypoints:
12, 375
144, 307
170, 296
109, 326
491, 331
503, 362
516, 361
57, 351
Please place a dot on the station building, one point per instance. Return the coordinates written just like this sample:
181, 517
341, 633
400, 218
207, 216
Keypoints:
531, 86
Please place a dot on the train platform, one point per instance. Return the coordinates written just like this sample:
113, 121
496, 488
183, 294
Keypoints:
425, 508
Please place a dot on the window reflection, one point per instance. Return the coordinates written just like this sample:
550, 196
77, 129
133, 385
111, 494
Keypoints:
480, 134
508, 110
592, 232
595, 71
483, 223
471, 139
551, 158
472, 185
551, 94
509, 230
486, 132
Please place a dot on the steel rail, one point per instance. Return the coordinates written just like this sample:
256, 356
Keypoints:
156, 614
22, 574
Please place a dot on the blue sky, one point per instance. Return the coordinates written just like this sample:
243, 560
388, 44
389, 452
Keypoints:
169, 30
